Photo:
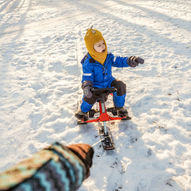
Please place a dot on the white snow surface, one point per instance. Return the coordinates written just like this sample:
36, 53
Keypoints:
41, 45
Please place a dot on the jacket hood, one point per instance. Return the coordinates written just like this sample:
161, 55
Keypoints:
93, 36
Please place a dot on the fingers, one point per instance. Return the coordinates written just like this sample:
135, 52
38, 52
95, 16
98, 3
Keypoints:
132, 61
133, 58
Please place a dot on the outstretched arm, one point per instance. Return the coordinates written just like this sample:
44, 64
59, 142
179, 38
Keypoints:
56, 167
132, 61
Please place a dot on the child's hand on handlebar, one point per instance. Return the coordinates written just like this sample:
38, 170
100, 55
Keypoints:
87, 87
88, 92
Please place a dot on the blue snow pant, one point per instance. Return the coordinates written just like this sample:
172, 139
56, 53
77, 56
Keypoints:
118, 97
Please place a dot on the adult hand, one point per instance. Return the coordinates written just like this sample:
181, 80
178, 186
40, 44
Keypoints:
85, 152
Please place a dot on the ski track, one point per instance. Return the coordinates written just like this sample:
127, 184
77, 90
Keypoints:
41, 45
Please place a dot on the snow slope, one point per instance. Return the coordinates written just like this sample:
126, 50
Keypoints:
41, 45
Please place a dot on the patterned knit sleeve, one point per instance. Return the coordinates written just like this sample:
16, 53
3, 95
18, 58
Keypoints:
55, 168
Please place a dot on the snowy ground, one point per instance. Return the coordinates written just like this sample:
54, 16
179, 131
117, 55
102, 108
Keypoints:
41, 45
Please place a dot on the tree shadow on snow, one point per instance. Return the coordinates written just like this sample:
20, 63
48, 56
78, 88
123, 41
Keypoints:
178, 47
10, 49
13, 7
160, 16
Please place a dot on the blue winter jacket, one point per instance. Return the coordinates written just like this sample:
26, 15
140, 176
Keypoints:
101, 75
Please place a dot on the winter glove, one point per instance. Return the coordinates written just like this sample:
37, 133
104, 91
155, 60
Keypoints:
87, 87
133, 61
85, 153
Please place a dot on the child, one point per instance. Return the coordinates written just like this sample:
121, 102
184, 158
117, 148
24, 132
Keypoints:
97, 73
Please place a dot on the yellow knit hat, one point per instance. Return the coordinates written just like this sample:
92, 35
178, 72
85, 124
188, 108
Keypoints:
93, 36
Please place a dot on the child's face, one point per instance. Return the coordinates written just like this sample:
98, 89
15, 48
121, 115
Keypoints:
99, 46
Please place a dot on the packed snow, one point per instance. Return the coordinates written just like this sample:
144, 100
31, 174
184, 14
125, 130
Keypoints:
41, 45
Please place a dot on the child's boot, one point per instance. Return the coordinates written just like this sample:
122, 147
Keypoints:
122, 112
81, 115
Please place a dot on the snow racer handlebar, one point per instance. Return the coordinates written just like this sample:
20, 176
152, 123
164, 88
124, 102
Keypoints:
103, 90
